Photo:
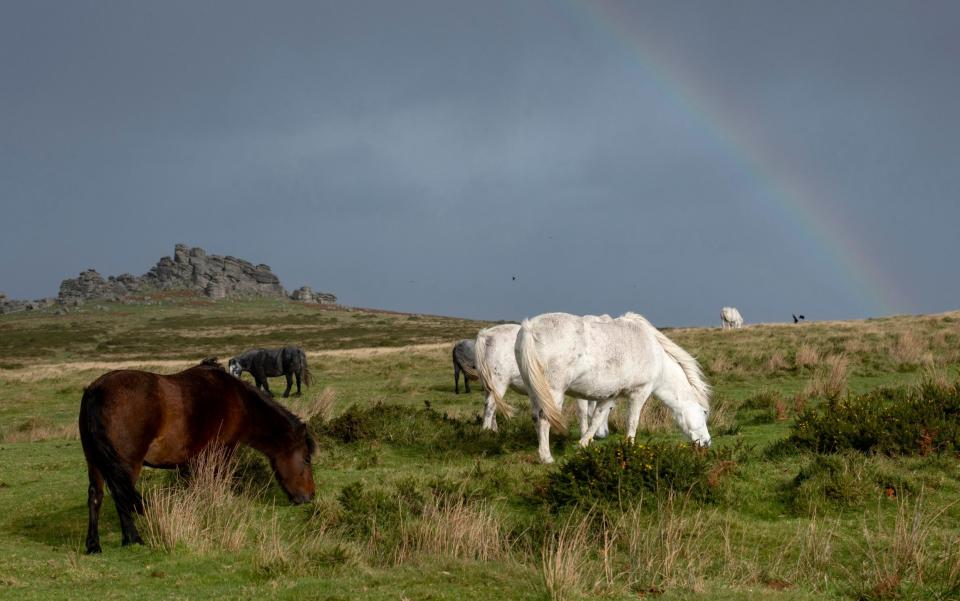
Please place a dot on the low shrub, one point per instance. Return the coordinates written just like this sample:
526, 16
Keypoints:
841, 481
760, 408
251, 471
622, 471
891, 421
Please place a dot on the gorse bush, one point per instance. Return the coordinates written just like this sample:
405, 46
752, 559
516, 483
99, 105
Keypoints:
891, 421
371, 512
622, 471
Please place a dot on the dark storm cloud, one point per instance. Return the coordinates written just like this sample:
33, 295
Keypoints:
417, 155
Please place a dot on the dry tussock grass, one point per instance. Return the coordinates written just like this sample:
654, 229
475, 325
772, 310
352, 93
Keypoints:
318, 404
723, 414
808, 557
935, 376
453, 528
656, 417
830, 378
909, 350
639, 551
667, 549
806, 356
898, 553
777, 362
564, 559
204, 513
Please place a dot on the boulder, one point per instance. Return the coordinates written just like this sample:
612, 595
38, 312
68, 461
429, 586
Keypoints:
305, 294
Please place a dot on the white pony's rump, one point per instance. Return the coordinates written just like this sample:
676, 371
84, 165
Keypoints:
498, 369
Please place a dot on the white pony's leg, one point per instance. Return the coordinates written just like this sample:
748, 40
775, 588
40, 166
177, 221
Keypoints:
637, 400
603, 430
490, 413
585, 409
543, 428
599, 416
543, 436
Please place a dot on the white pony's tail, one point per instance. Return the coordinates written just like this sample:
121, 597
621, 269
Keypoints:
689, 365
485, 378
537, 380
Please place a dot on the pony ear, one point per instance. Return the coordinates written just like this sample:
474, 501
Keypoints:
212, 362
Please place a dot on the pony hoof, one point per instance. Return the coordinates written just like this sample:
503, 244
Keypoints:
546, 460
94, 549
584, 442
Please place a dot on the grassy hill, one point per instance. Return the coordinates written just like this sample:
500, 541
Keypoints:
416, 502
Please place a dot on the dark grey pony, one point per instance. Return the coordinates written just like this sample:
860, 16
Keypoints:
465, 360
264, 363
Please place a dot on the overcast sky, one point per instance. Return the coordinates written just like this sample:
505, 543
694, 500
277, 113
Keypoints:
668, 158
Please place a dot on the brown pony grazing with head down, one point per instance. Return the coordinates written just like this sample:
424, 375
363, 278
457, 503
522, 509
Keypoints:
131, 418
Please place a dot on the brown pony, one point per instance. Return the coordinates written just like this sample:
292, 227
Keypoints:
131, 418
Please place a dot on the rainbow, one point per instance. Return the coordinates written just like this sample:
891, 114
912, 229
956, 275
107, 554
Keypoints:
791, 201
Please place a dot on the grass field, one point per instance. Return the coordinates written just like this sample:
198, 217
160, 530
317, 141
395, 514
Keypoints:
419, 503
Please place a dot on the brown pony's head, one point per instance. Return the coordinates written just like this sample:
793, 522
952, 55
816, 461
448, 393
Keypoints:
293, 466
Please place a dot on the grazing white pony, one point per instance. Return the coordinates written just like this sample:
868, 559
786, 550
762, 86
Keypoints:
498, 370
603, 359
730, 319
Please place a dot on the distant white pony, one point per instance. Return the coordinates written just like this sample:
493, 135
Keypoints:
603, 359
498, 370
730, 319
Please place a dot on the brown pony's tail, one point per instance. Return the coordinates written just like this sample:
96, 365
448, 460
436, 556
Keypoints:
306, 368
101, 453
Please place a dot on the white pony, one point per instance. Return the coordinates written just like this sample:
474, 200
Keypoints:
605, 359
498, 370
730, 319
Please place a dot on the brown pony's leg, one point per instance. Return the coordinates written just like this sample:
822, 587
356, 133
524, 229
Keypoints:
138, 500
297, 373
94, 501
289, 377
127, 500
131, 535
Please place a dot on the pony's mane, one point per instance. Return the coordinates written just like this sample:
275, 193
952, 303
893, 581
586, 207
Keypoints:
689, 365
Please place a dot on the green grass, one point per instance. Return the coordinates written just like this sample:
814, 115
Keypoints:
755, 535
